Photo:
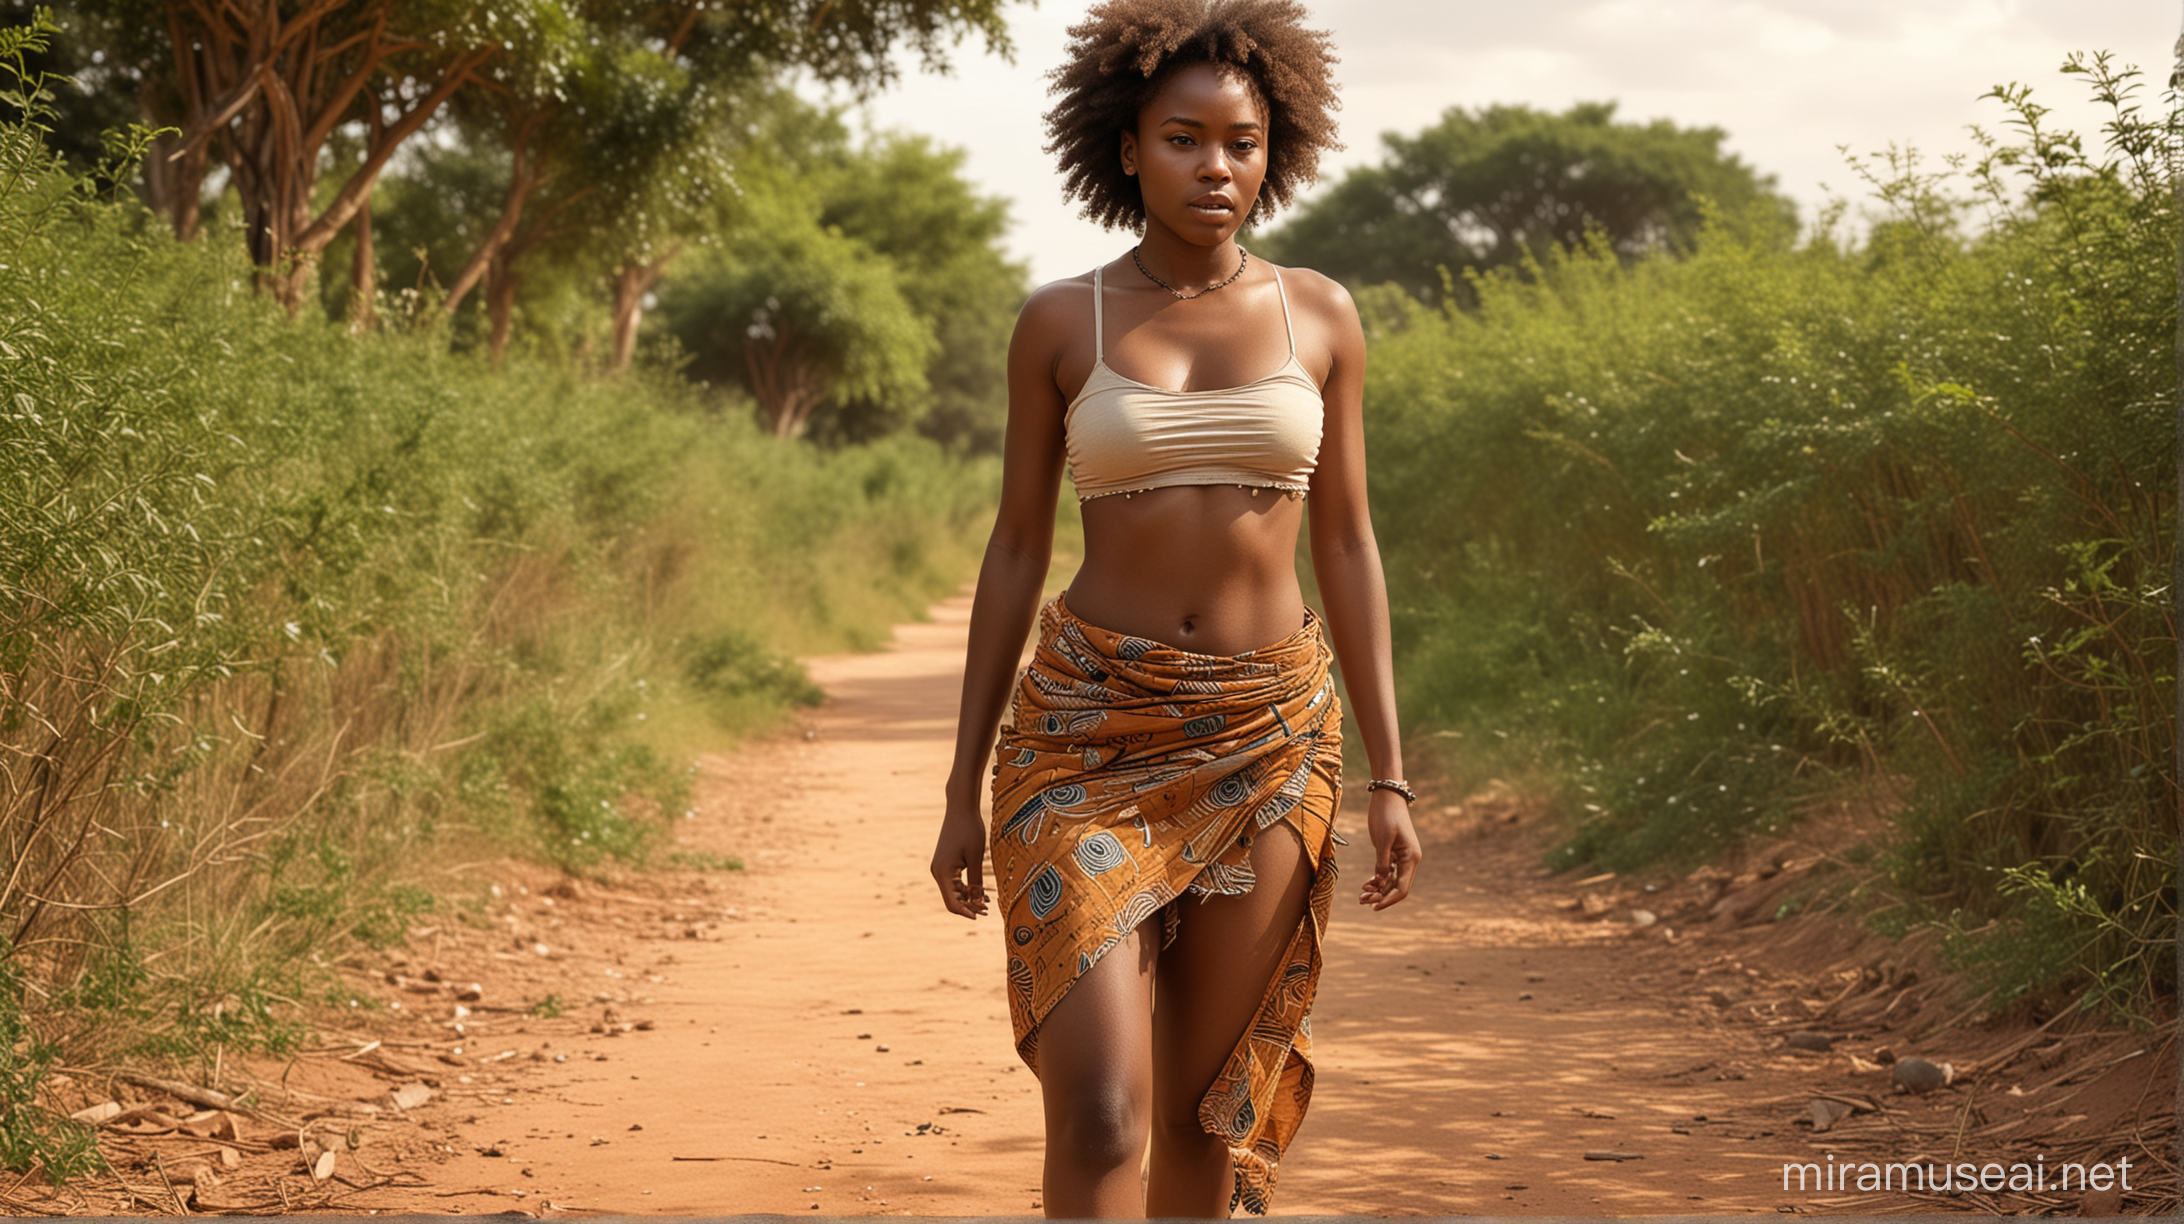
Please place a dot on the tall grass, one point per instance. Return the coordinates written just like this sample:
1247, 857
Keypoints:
289, 616
1690, 541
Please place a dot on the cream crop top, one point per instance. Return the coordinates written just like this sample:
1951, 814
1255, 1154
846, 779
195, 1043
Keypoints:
1124, 436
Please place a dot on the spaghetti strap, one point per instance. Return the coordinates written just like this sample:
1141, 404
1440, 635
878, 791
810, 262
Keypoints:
1286, 324
1099, 322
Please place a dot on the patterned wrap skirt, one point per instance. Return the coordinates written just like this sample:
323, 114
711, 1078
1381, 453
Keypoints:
1134, 774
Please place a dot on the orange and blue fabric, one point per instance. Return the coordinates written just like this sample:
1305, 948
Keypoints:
1133, 774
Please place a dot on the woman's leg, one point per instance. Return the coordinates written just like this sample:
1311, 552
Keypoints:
1096, 1075
1209, 984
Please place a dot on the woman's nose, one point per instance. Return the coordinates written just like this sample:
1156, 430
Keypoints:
1214, 167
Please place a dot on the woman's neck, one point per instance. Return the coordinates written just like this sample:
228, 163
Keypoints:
1186, 265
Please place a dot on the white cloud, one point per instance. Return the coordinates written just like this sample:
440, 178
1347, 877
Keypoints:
1788, 80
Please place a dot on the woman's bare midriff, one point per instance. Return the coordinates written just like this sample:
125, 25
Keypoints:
1211, 569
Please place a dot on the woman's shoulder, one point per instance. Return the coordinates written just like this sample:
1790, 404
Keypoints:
1317, 292
1319, 299
1058, 302
1056, 313
1069, 291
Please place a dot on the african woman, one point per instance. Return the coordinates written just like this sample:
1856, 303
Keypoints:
1164, 792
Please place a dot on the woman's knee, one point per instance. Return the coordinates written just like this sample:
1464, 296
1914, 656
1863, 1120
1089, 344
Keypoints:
1176, 1125
1099, 1125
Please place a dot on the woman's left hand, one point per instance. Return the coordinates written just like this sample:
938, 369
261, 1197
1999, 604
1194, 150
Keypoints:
1396, 853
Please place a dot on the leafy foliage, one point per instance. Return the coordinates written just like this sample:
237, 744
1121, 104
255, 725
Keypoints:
1695, 538
856, 290
290, 617
1496, 187
612, 100
802, 316
910, 203
91, 96
32, 1136
849, 42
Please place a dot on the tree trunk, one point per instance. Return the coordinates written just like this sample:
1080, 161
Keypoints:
174, 172
488, 253
523, 178
504, 277
500, 303
257, 80
363, 266
175, 189
363, 276
629, 309
788, 384
631, 284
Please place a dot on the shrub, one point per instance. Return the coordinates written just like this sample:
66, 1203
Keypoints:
288, 615
1689, 540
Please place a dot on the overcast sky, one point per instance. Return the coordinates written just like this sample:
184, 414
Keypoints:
1788, 80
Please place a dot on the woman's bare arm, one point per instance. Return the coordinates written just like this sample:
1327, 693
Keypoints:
1347, 562
1010, 580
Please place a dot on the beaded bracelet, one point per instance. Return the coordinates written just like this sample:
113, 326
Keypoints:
1398, 785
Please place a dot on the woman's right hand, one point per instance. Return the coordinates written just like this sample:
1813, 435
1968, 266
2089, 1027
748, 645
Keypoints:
959, 862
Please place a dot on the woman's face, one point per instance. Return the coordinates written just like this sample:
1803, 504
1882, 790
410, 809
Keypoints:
1199, 154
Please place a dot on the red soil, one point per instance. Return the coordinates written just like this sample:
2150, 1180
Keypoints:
814, 1035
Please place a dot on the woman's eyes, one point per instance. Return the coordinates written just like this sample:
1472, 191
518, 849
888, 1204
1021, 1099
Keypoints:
1241, 146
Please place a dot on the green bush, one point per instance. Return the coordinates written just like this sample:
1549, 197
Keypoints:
1688, 541
30, 1134
288, 616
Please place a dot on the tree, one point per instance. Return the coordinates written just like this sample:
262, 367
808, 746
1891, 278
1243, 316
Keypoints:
663, 163
623, 148
103, 96
637, 142
818, 208
910, 202
116, 54
801, 316
517, 114
848, 42
266, 83
270, 82
652, 219
1487, 188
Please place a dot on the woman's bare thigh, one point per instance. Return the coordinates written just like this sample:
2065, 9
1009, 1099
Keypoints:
1095, 1056
1211, 980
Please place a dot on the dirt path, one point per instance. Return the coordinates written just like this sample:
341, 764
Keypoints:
815, 1035
844, 1033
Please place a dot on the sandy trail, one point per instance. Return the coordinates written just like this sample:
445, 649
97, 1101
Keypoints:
816, 1036
843, 1046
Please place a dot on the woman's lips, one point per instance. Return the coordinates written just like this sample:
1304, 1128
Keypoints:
1211, 210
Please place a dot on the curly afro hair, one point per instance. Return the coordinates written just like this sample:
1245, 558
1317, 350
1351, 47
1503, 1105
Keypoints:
1124, 51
